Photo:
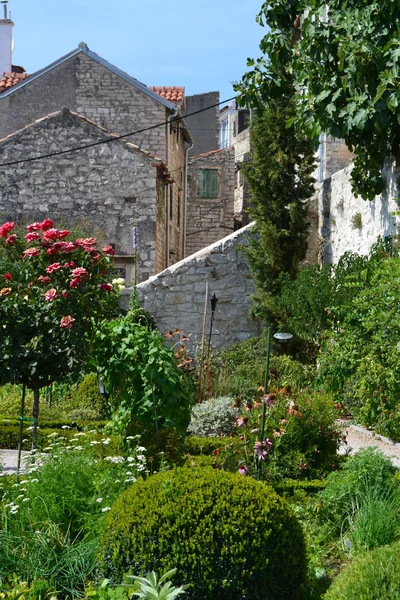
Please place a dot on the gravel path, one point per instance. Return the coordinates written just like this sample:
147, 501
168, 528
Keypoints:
9, 461
359, 437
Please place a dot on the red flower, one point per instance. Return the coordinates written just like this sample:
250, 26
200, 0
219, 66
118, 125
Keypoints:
66, 322
32, 236
75, 282
108, 250
11, 239
8, 276
31, 252
68, 247
95, 255
53, 267
63, 233
66, 294
34, 227
106, 286
79, 272
44, 279
50, 234
51, 295
5, 229
52, 251
46, 224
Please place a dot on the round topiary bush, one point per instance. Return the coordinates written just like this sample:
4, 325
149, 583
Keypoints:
375, 575
214, 417
228, 536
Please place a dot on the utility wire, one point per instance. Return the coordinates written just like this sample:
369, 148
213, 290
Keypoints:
114, 138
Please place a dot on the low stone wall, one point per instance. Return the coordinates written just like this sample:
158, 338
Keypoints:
176, 297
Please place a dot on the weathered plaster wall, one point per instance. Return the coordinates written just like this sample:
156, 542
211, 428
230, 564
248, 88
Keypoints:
109, 187
210, 219
176, 296
340, 212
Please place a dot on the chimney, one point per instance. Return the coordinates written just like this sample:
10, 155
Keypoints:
6, 26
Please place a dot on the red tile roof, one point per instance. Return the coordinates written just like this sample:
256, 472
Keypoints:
10, 79
172, 93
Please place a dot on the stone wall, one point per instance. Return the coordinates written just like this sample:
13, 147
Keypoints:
85, 86
108, 188
351, 224
176, 297
204, 126
210, 219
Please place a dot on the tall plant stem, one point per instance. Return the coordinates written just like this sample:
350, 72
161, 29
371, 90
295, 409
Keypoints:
21, 425
264, 406
35, 415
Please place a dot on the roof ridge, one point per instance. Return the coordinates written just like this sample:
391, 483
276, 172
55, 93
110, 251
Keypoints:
66, 110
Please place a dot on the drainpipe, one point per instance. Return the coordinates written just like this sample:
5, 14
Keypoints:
167, 160
185, 195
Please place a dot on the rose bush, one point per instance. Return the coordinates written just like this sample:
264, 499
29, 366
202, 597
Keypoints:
54, 290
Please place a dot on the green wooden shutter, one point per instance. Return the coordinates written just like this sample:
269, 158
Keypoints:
208, 183
213, 183
201, 183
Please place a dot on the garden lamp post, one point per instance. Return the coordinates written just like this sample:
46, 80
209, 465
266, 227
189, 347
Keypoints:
214, 302
277, 336
102, 388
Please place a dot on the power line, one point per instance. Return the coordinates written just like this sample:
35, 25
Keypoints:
114, 138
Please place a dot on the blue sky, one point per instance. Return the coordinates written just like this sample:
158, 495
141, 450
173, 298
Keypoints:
202, 45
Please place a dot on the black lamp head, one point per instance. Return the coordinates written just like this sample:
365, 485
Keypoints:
214, 301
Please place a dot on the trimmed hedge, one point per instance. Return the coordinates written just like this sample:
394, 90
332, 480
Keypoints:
371, 577
290, 486
229, 536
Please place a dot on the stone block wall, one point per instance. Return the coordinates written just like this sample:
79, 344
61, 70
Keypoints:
352, 224
205, 125
176, 297
210, 219
108, 188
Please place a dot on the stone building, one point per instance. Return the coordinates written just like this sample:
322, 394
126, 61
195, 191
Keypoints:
211, 194
90, 86
114, 187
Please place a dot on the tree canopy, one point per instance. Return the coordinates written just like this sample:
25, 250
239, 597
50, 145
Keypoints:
343, 62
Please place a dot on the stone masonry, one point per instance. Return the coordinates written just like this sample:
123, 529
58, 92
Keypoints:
352, 224
210, 219
176, 297
108, 188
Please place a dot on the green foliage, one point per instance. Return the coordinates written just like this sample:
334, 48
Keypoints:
375, 575
141, 374
356, 221
279, 175
230, 536
344, 68
87, 396
292, 486
147, 588
213, 417
346, 489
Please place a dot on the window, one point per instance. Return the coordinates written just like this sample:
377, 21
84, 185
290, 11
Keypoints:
224, 142
208, 183
244, 119
179, 209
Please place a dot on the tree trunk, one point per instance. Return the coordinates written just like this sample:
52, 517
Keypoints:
35, 415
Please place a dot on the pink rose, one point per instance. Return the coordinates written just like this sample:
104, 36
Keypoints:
75, 282
44, 279
46, 224
66, 322
11, 239
32, 236
108, 250
54, 267
34, 227
31, 252
106, 286
51, 295
50, 234
63, 233
5, 229
79, 272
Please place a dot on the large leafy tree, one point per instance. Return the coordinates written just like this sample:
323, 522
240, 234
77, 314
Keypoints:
280, 178
343, 59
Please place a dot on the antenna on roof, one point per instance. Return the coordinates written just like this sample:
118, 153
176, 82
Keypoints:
4, 3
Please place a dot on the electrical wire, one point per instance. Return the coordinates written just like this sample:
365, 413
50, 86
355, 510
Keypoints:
114, 138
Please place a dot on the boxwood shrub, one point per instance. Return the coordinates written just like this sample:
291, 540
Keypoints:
229, 536
372, 576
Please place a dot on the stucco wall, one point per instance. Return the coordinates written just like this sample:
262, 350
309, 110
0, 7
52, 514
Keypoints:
204, 126
210, 219
340, 213
110, 187
176, 296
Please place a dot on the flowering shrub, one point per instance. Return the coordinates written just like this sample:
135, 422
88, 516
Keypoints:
300, 440
53, 292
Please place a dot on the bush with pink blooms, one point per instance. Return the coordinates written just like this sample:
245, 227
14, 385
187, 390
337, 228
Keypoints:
54, 290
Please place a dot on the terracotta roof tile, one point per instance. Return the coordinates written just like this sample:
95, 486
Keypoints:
10, 79
172, 93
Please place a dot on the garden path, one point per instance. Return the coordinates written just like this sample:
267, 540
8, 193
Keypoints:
358, 437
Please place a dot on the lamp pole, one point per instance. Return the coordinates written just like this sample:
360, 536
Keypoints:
214, 302
278, 336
